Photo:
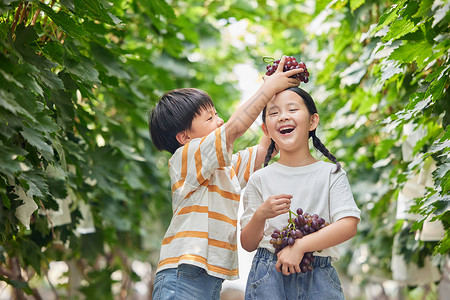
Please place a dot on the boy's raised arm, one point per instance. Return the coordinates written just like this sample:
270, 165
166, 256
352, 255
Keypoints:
247, 113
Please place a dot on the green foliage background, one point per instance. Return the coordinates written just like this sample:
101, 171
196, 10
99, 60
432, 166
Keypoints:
77, 79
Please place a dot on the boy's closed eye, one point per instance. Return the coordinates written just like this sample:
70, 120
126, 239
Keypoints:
211, 116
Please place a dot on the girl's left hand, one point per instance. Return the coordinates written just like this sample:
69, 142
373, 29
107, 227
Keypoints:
289, 260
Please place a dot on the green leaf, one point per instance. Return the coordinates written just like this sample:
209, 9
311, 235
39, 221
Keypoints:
8, 102
36, 139
53, 51
69, 4
398, 226
400, 28
21, 285
24, 37
412, 51
50, 79
82, 67
390, 15
354, 4
65, 109
37, 185
96, 11
25, 74
438, 72
10, 79
437, 87
383, 148
8, 163
65, 22
417, 225
444, 245
91, 245
45, 124
31, 254
57, 187
109, 61
100, 285
158, 7
424, 9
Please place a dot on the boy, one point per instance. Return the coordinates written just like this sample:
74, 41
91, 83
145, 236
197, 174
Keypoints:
199, 249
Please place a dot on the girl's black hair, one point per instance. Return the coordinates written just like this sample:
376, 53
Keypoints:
309, 102
173, 114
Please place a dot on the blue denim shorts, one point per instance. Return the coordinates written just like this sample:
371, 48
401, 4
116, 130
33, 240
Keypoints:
265, 282
187, 282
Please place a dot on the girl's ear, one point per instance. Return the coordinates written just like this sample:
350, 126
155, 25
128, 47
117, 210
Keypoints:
314, 122
264, 129
183, 137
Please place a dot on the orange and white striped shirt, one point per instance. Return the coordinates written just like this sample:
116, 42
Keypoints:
206, 184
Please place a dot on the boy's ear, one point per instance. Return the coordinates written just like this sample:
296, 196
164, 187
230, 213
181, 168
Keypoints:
264, 129
314, 122
183, 137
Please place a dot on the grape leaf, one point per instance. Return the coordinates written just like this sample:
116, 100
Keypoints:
96, 11
36, 139
410, 52
32, 254
354, 4
424, 9
399, 28
64, 21
82, 67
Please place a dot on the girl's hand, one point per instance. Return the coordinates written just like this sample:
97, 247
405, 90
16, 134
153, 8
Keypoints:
289, 260
275, 205
280, 80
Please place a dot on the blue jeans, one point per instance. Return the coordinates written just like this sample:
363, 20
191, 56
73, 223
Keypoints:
264, 282
187, 282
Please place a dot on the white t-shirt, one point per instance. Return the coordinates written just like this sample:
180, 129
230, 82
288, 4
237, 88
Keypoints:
315, 189
206, 185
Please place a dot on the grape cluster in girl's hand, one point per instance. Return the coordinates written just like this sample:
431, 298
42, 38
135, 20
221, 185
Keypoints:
303, 224
289, 64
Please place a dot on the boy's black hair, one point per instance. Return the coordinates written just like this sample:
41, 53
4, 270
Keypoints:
309, 102
173, 114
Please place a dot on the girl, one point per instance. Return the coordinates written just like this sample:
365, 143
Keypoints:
296, 180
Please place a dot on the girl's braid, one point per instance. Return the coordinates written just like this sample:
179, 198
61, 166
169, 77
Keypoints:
269, 152
321, 147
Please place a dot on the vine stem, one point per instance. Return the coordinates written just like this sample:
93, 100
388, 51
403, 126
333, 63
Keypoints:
290, 216
17, 275
55, 292
48, 218
268, 59
23, 13
36, 15
16, 17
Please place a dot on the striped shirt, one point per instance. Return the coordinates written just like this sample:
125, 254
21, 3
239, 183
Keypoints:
206, 184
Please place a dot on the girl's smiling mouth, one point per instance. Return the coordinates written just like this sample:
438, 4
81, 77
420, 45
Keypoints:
285, 130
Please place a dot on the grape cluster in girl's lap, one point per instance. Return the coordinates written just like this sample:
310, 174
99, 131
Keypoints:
303, 224
290, 64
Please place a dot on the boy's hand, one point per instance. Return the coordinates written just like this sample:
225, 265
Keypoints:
280, 80
275, 205
289, 260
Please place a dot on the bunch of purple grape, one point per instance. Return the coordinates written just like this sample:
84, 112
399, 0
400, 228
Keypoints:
289, 64
303, 224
